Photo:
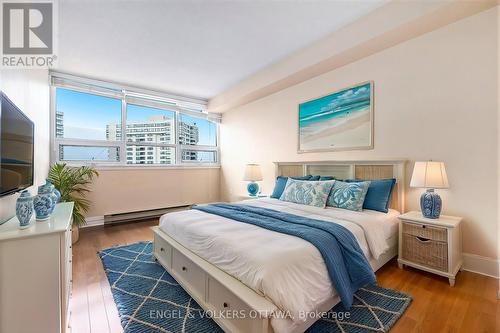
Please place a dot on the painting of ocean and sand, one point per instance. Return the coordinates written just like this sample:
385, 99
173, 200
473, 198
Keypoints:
339, 121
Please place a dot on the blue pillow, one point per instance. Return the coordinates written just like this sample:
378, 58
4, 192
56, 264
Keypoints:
279, 187
348, 195
378, 195
322, 178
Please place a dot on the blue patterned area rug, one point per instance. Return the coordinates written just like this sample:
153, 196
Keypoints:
150, 300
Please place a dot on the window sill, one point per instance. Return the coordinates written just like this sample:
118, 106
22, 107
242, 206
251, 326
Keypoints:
103, 167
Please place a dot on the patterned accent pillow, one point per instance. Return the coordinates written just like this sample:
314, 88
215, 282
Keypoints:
348, 195
312, 193
281, 183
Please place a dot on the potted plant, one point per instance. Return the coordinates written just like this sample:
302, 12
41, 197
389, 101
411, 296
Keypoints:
73, 184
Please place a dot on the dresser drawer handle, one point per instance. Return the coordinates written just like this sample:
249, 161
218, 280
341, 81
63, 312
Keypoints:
422, 239
225, 305
162, 249
184, 268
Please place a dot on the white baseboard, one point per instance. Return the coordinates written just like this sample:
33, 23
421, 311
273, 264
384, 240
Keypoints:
94, 221
481, 265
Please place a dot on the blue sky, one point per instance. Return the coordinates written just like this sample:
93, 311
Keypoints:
86, 116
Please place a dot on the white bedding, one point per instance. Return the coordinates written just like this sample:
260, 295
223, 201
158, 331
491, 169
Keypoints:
286, 269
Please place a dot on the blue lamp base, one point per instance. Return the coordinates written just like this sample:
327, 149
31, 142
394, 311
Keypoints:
430, 203
253, 189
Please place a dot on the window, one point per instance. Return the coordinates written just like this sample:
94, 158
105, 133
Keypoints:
85, 116
103, 124
89, 153
150, 124
197, 131
199, 156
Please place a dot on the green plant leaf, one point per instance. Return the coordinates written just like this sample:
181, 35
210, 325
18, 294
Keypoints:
73, 184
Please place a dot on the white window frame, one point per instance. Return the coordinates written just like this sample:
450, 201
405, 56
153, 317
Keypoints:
136, 96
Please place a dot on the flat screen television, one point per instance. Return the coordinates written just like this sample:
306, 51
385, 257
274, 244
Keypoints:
16, 148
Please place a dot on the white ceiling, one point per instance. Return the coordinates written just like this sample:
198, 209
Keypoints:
194, 48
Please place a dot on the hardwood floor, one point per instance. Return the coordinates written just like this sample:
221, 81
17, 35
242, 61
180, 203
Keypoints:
469, 307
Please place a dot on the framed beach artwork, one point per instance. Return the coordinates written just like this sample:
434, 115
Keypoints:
342, 120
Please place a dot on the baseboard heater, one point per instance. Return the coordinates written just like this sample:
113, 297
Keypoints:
141, 215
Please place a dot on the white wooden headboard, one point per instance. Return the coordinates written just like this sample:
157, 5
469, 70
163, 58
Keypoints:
353, 170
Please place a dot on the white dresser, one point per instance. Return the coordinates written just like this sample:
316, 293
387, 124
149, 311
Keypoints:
35, 274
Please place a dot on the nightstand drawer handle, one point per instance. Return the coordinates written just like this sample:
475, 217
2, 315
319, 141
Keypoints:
422, 239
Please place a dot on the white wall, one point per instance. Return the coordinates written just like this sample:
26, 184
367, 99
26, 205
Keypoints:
435, 98
29, 90
136, 189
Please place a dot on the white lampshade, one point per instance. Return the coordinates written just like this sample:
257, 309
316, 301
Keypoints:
429, 174
252, 173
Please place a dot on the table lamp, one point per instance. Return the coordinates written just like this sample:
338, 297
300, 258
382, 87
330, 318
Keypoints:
430, 175
252, 174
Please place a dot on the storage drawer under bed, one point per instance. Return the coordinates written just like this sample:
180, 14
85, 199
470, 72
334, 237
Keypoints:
236, 312
163, 251
190, 273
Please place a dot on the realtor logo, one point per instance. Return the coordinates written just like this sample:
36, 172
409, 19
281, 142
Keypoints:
27, 28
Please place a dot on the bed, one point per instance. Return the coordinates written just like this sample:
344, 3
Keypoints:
256, 280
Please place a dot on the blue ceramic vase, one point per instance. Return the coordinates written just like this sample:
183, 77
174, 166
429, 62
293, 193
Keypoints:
253, 188
430, 203
24, 209
58, 194
53, 196
43, 202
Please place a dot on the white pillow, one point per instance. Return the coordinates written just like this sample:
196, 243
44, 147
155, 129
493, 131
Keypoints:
307, 192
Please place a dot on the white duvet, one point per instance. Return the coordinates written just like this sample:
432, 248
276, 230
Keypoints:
286, 269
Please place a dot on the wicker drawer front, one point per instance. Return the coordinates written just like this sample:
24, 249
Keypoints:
425, 231
428, 252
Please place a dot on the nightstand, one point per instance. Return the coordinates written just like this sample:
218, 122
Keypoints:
432, 245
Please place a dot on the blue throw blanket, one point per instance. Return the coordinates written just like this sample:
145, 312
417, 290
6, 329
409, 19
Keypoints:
347, 266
